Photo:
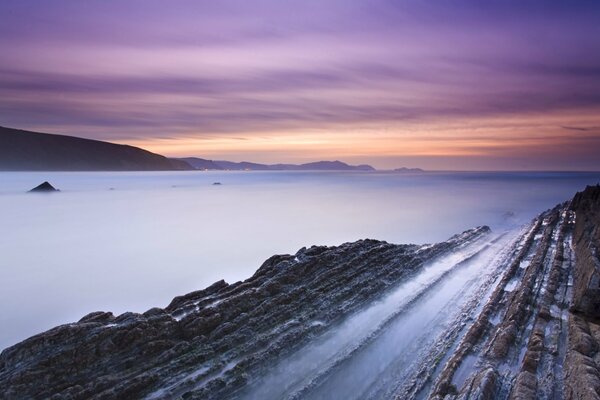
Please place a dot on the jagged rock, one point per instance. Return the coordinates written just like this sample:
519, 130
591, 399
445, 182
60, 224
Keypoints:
44, 187
586, 236
208, 343
581, 371
582, 375
525, 387
528, 345
485, 385
525, 342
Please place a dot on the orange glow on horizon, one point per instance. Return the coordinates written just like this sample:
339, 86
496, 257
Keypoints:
481, 137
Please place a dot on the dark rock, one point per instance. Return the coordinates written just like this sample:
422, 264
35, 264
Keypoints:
98, 316
529, 348
44, 188
586, 236
209, 343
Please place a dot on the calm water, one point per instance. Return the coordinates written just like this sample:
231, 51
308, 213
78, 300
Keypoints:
131, 241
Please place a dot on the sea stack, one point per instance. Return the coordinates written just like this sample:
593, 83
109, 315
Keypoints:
45, 187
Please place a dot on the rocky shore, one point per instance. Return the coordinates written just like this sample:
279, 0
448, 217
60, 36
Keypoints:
537, 337
208, 343
582, 368
534, 334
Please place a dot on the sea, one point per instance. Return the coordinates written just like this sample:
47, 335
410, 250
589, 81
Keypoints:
130, 241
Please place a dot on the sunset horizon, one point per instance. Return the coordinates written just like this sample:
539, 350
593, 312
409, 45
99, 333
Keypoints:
500, 86
300, 199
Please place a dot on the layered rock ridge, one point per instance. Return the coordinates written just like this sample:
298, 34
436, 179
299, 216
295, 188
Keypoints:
538, 335
526, 327
582, 364
210, 343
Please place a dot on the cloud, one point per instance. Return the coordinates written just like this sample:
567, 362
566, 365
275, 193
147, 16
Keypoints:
120, 71
581, 128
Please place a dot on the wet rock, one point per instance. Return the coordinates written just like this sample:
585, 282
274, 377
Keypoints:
486, 385
504, 339
586, 235
209, 343
526, 343
525, 387
581, 372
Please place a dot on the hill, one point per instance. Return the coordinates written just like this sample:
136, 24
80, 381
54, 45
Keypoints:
22, 150
409, 170
200, 163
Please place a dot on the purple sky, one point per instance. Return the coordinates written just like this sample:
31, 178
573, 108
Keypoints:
439, 84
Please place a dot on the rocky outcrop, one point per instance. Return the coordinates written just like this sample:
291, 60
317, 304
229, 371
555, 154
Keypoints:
586, 237
538, 338
529, 331
582, 367
582, 374
210, 343
504, 343
44, 187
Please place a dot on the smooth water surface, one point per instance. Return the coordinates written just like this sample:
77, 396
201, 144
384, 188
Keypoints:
129, 241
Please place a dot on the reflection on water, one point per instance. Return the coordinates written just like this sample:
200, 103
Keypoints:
131, 241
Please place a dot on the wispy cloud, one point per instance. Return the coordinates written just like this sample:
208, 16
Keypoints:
581, 128
253, 70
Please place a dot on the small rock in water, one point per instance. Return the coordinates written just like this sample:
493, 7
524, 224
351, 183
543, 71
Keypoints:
44, 187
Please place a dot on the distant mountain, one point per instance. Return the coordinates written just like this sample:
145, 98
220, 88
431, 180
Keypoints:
408, 170
244, 165
32, 151
22, 150
200, 163
335, 166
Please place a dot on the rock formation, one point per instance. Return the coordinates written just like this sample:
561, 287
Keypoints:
586, 237
539, 340
45, 187
532, 334
582, 368
206, 344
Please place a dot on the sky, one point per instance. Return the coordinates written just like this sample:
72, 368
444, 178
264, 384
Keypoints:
459, 85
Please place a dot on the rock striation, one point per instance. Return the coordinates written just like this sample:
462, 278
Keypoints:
582, 364
511, 351
586, 237
538, 335
207, 344
530, 331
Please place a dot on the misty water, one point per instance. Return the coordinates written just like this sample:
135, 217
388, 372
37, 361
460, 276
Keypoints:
361, 358
123, 241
